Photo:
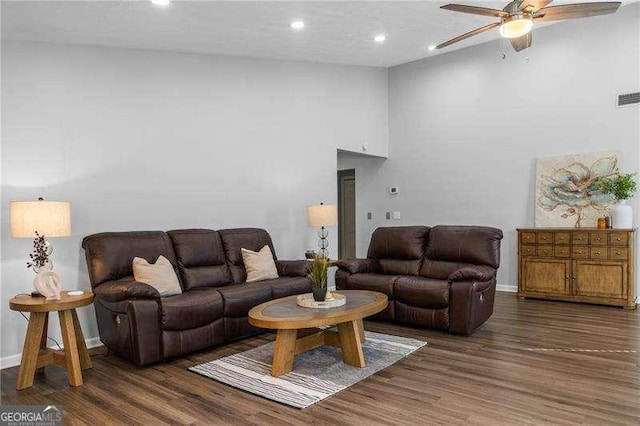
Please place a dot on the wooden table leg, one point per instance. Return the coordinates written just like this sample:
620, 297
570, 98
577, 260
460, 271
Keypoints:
85, 359
43, 341
361, 329
351, 344
70, 347
31, 350
284, 352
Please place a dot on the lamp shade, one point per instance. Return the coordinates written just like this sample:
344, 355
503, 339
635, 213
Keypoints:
322, 215
48, 218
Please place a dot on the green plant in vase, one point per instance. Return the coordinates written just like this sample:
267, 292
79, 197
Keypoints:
620, 187
318, 276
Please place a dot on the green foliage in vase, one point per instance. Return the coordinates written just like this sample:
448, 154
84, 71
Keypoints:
319, 269
620, 187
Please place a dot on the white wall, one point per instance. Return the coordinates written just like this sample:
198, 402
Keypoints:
466, 127
140, 140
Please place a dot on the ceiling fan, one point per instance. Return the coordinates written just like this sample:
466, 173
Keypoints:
517, 18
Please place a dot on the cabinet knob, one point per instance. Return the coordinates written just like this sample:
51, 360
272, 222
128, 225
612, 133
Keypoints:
597, 252
618, 239
618, 253
574, 277
598, 239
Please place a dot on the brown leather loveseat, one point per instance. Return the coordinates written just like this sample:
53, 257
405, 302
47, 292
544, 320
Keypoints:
139, 325
442, 277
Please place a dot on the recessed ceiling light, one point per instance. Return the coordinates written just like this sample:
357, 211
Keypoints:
161, 2
380, 38
432, 47
297, 25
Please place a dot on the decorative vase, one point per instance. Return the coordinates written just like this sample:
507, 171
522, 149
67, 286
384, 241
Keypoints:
319, 293
622, 215
47, 283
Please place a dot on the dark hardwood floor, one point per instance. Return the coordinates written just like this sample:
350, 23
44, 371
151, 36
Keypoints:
533, 362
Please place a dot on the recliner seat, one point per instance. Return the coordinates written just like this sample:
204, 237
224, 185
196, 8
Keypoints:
139, 325
442, 278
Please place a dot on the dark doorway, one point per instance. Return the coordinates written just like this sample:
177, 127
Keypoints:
347, 214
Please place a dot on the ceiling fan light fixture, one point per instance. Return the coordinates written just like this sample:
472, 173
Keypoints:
516, 26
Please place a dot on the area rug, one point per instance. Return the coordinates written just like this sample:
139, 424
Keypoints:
316, 375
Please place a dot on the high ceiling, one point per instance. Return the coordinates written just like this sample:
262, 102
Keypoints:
336, 31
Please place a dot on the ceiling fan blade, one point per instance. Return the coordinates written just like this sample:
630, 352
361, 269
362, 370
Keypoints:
576, 10
467, 35
523, 42
531, 6
475, 10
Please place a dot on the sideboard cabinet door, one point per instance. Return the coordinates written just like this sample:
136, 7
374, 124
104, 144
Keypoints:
606, 280
546, 276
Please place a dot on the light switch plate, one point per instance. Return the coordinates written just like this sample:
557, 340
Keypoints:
388, 215
396, 216
369, 215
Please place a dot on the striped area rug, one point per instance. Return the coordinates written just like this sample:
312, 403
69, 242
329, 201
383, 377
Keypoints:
316, 374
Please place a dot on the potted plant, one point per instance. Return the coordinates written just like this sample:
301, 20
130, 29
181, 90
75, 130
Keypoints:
620, 188
318, 277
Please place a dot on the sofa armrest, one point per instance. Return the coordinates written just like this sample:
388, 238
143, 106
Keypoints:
480, 273
359, 266
293, 268
125, 289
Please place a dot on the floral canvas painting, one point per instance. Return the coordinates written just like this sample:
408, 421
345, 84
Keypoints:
566, 194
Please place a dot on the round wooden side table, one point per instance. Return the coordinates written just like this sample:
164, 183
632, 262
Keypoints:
35, 354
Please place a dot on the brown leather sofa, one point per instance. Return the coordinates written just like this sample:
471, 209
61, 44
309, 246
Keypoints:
139, 325
442, 277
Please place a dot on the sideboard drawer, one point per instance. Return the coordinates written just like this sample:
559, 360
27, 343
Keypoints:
561, 238
528, 251
618, 239
561, 251
580, 238
545, 238
618, 253
598, 239
545, 251
598, 252
580, 252
528, 238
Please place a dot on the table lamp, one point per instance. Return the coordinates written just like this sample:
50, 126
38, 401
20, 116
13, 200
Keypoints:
41, 220
322, 215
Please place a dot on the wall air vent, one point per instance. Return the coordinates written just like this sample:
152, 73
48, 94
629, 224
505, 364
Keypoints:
626, 99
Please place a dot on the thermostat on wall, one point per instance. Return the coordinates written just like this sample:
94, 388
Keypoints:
394, 190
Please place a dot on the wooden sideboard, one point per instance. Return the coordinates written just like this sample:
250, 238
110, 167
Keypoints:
577, 264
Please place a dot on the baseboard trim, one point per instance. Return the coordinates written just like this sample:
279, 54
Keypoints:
14, 360
507, 288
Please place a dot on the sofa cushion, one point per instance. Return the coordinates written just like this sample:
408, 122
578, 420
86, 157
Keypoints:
191, 309
159, 275
398, 242
288, 286
440, 269
478, 245
259, 265
373, 282
400, 267
249, 238
240, 298
201, 258
110, 254
422, 292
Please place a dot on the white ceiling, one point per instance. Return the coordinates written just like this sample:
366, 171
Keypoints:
336, 31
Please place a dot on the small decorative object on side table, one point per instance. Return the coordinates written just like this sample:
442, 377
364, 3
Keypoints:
35, 354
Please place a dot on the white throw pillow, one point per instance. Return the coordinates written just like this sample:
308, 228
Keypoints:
259, 265
160, 275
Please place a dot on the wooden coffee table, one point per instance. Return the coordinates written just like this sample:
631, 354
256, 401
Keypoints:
298, 327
